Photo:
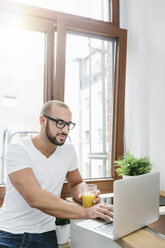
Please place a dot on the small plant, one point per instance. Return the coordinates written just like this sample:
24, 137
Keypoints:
62, 230
131, 166
62, 221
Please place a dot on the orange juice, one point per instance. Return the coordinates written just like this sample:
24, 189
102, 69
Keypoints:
87, 199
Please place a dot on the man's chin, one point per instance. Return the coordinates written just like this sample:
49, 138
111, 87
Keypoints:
60, 142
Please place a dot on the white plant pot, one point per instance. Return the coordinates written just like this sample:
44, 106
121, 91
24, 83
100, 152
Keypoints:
126, 176
63, 234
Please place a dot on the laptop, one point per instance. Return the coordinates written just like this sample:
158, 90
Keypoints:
136, 204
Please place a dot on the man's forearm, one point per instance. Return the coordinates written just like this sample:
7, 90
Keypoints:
76, 191
55, 206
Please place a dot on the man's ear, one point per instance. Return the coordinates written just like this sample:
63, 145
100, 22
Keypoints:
42, 120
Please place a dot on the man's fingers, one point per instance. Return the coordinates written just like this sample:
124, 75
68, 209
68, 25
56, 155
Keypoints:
79, 196
101, 210
97, 200
106, 206
105, 211
98, 193
103, 216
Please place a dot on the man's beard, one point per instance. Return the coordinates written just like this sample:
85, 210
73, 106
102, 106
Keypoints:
53, 139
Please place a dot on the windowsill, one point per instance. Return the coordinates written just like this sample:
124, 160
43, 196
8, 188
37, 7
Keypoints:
102, 196
105, 185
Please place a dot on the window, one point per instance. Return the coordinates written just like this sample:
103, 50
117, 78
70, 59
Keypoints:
87, 136
9, 101
91, 70
100, 136
22, 84
96, 9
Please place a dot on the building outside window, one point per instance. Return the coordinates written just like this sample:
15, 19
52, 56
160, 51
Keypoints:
90, 70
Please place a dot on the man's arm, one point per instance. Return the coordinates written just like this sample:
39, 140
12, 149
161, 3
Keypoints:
75, 182
27, 185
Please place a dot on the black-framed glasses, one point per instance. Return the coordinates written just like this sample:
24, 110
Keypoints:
61, 123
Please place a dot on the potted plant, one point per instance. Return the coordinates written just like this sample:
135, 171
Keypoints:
62, 230
132, 166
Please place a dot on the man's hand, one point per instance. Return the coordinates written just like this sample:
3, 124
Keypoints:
101, 210
95, 201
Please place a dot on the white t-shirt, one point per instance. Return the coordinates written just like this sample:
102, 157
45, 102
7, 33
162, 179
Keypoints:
16, 216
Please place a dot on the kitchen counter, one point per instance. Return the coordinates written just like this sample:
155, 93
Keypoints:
141, 238
144, 238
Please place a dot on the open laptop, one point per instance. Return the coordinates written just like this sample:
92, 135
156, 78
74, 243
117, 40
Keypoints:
136, 204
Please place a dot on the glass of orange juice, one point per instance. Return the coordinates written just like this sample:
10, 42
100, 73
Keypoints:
88, 194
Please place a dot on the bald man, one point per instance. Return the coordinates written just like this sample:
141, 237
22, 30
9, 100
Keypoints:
37, 168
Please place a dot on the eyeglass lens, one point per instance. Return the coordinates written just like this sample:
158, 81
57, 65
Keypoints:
62, 124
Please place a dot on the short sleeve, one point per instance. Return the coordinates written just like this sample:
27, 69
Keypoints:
74, 160
16, 158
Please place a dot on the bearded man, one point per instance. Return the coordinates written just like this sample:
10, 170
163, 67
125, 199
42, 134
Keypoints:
37, 168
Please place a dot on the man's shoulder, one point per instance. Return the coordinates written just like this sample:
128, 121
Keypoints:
21, 143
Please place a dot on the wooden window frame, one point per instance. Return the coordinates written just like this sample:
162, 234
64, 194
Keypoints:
114, 12
47, 21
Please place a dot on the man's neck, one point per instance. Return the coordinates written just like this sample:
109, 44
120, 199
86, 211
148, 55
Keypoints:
43, 145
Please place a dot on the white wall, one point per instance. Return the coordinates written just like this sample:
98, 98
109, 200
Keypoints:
145, 80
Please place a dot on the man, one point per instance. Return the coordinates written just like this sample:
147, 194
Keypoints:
36, 170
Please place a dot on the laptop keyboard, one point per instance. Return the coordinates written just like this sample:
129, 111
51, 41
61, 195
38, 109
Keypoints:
106, 227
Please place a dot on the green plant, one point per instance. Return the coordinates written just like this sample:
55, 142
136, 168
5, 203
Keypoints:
62, 221
132, 166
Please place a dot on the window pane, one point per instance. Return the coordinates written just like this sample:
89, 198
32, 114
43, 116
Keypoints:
89, 91
21, 85
96, 9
